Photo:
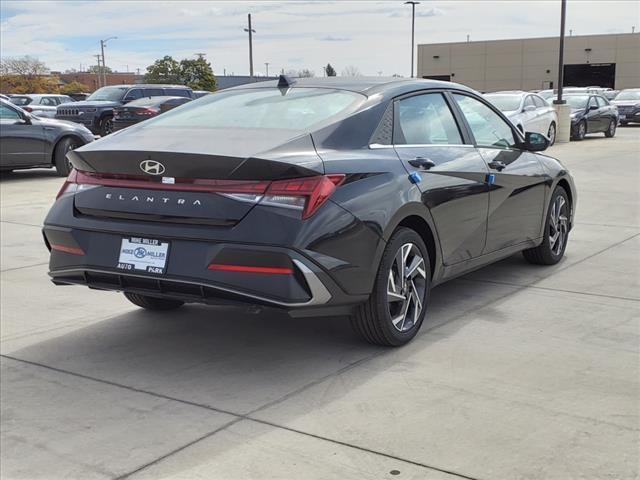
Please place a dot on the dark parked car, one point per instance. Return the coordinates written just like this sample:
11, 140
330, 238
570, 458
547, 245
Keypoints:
628, 104
96, 112
320, 197
144, 109
28, 141
591, 114
201, 93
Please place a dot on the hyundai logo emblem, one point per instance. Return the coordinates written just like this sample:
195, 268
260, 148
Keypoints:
152, 167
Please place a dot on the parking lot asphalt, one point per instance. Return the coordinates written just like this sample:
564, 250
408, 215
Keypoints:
519, 372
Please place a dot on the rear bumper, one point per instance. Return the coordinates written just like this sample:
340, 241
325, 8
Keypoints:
307, 290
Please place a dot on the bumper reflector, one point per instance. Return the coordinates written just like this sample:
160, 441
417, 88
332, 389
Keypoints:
67, 249
250, 269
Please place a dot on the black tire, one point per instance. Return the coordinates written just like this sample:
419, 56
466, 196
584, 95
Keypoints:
611, 130
153, 303
373, 320
548, 252
623, 123
64, 146
581, 130
106, 126
551, 133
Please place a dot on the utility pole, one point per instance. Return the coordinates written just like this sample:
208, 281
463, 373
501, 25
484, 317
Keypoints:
563, 110
251, 31
266, 64
563, 16
325, 70
104, 64
413, 29
98, 70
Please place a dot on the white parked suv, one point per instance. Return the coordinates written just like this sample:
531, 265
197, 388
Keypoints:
527, 111
40, 104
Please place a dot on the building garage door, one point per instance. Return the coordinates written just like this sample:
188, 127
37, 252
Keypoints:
590, 75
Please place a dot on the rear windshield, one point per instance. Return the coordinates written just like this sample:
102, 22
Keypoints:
505, 103
577, 101
628, 95
297, 109
112, 94
20, 100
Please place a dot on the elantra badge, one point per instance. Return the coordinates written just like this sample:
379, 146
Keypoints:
152, 167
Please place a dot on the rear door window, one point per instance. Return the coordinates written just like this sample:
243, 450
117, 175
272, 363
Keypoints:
153, 92
426, 120
133, 94
48, 101
178, 92
539, 101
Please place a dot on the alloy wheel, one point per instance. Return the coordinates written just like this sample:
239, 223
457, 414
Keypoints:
71, 146
582, 130
552, 134
612, 127
406, 287
558, 225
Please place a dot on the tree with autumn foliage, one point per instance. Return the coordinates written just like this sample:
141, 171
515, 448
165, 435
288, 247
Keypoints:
26, 75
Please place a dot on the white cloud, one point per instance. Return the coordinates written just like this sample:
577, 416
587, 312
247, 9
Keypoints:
372, 35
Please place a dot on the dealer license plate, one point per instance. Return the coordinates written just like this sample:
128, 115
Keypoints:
144, 254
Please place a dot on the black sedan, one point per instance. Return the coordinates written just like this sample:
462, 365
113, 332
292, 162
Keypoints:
144, 109
29, 141
591, 114
320, 197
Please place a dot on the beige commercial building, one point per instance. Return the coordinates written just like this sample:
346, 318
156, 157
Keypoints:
532, 63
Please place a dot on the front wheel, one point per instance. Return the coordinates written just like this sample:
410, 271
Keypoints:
396, 308
106, 126
611, 130
551, 133
581, 130
64, 146
556, 231
152, 303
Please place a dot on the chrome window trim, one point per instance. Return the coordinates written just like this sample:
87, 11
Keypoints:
376, 146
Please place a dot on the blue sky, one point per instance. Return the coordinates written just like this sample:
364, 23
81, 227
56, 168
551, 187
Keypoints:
374, 36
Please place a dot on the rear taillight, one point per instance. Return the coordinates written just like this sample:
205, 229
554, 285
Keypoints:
71, 180
147, 111
306, 194
27, 109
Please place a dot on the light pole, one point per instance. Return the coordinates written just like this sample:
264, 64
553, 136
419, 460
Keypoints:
413, 29
563, 110
266, 64
104, 64
98, 81
251, 31
324, 69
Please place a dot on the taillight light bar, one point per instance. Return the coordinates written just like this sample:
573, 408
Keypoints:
250, 269
67, 249
306, 194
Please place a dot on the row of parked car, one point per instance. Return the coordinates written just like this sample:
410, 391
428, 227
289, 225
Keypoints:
591, 110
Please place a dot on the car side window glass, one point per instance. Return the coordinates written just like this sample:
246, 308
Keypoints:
178, 92
488, 128
153, 92
601, 102
133, 94
426, 119
593, 102
8, 113
48, 101
540, 103
529, 101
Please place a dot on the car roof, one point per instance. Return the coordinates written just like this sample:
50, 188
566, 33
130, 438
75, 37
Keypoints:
156, 98
510, 92
155, 85
365, 85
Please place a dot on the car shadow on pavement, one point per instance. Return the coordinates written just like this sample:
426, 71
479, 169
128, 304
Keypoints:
33, 174
239, 362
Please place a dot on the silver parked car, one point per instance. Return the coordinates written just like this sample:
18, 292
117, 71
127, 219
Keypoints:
527, 111
40, 104
628, 103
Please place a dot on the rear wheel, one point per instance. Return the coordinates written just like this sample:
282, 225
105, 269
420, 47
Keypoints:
64, 146
611, 130
551, 133
556, 232
106, 126
394, 313
152, 303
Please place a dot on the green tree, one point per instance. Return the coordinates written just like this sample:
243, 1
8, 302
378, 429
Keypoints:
164, 70
331, 72
26, 75
197, 74
306, 73
99, 69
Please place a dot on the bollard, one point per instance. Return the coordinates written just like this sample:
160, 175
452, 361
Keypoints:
563, 132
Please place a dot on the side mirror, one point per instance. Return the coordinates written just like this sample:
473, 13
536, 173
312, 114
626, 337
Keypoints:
529, 108
24, 120
593, 107
535, 142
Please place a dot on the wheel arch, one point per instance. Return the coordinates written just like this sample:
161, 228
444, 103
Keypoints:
564, 183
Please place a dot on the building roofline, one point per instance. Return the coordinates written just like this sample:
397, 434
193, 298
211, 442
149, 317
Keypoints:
532, 38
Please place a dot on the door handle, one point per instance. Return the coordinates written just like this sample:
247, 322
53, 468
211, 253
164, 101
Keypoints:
497, 165
423, 163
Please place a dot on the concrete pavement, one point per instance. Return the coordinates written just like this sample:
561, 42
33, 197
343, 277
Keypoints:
520, 371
